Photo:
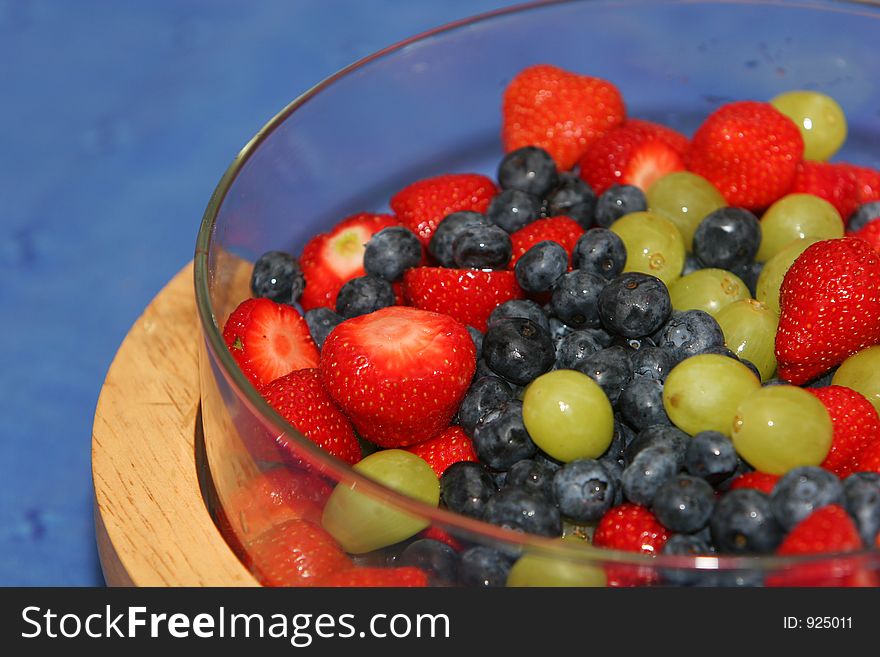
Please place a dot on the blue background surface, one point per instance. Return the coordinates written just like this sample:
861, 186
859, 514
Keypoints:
118, 119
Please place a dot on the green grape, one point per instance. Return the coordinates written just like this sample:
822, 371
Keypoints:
797, 217
708, 290
568, 415
362, 522
702, 392
779, 428
653, 245
819, 118
749, 329
770, 279
861, 372
685, 199
546, 570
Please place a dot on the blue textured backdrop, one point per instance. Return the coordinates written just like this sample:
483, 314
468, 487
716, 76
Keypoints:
118, 118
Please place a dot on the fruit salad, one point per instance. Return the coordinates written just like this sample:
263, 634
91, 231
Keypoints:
625, 339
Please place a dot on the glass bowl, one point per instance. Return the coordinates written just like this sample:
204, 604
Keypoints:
431, 105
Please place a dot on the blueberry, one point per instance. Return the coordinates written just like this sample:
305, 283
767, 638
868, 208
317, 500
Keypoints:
559, 330
615, 471
684, 503
611, 368
535, 476
632, 345
634, 305
862, 501
443, 238
863, 215
482, 370
500, 438
529, 169
436, 558
574, 348
518, 349
622, 437
483, 567
749, 273
465, 487
476, 338
801, 491
321, 321
685, 545
363, 295
652, 363
649, 470
617, 201
573, 198
277, 276
481, 247
727, 238
485, 394
520, 510
575, 299
392, 251
691, 264
584, 489
522, 308
742, 523
689, 333
823, 380
754, 368
539, 268
711, 455
512, 209
641, 403
659, 435
599, 252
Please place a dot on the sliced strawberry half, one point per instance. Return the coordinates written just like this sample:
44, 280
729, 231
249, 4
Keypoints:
269, 340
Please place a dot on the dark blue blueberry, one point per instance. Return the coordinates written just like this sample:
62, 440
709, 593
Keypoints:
727, 238
512, 209
641, 403
574, 348
691, 264
363, 295
558, 330
518, 349
659, 435
483, 370
633, 344
532, 475
539, 268
321, 321
392, 251
436, 558
483, 567
863, 215
634, 305
684, 503
520, 510
529, 169
547, 461
573, 198
742, 523
522, 308
486, 394
465, 487
277, 276
652, 363
776, 382
861, 496
443, 238
482, 247
801, 491
721, 350
685, 545
822, 381
617, 201
754, 368
611, 368
710, 455
477, 338
500, 438
651, 468
749, 273
599, 252
615, 470
689, 333
621, 438
584, 490
575, 299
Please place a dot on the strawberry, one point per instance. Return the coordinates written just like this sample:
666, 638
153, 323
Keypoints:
295, 553
404, 577
560, 111
830, 301
635, 153
870, 232
856, 425
749, 151
398, 373
761, 481
868, 459
563, 230
422, 205
443, 450
867, 182
672, 137
631, 528
301, 400
833, 182
468, 295
329, 260
269, 340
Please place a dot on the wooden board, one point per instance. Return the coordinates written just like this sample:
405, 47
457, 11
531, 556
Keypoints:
152, 525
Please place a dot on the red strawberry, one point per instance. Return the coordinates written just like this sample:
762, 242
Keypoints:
672, 137
564, 230
449, 447
749, 151
868, 459
867, 181
295, 553
856, 425
424, 204
407, 576
870, 232
269, 340
629, 155
301, 400
398, 373
833, 182
830, 301
559, 111
761, 481
631, 528
468, 295
329, 260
